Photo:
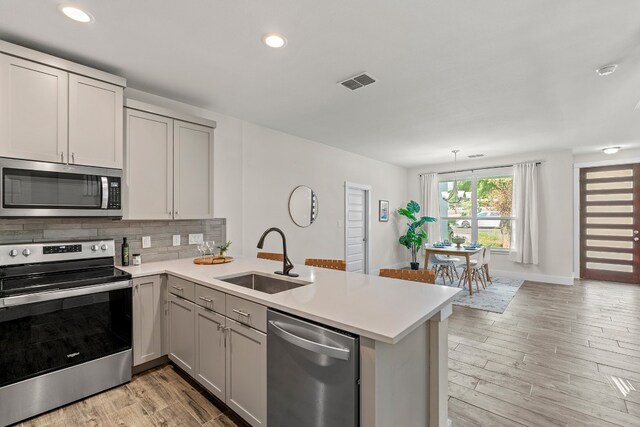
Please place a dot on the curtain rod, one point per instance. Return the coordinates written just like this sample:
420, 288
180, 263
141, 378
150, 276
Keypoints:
538, 163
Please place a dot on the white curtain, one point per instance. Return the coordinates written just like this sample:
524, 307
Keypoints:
524, 235
430, 203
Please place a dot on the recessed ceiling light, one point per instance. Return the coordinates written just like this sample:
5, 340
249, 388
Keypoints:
76, 14
274, 40
610, 150
607, 70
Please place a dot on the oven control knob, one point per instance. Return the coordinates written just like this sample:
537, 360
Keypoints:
94, 248
26, 252
104, 247
13, 253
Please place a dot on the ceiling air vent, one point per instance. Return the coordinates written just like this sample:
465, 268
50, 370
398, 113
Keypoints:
475, 156
358, 81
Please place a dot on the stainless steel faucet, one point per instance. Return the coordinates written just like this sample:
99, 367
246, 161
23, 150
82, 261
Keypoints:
286, 266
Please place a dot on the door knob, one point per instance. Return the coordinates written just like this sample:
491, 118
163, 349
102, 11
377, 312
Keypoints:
635, 239
635, 231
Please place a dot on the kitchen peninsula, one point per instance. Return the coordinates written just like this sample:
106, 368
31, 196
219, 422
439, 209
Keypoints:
400, 324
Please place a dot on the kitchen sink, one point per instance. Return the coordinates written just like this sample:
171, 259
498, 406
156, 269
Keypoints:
264, 282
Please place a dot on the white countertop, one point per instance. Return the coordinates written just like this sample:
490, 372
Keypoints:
371, 306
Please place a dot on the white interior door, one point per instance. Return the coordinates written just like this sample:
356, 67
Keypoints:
357, 228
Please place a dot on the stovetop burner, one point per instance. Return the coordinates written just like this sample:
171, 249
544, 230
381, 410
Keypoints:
56, 266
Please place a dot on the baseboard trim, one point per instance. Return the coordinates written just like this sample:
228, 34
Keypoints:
556, 280
150, 365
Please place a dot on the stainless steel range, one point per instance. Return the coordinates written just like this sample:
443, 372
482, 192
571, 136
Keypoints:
65, 325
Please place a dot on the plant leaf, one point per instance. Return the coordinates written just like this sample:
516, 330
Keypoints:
413, 206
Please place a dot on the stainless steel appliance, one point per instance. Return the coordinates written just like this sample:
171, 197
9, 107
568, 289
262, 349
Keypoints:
313, 374
65, 325
41, 189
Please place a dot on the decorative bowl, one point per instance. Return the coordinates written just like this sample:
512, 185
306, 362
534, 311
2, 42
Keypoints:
458, 240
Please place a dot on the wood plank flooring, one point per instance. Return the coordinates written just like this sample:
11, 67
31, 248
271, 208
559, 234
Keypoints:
544, 361
160, 397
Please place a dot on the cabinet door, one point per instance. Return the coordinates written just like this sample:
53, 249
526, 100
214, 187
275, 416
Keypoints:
247, 373
182, 345
147, 313
193, 171
95, 123
148, 166
210, 351
33, 110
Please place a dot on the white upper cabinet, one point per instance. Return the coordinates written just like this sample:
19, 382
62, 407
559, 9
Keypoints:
95, 123
148, 166
33, 110
193, 171
54, 110
168, 164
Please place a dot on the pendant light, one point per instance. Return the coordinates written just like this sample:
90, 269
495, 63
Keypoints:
456, 195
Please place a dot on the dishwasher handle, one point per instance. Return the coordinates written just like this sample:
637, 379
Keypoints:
327, 350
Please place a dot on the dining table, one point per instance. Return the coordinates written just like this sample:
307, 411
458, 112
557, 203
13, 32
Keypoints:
453, 250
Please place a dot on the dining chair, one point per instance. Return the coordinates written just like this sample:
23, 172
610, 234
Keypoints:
487, 258
271, 256
443, 266
477, 269
333, 264
423, 276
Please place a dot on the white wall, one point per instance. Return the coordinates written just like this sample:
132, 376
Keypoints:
256, 169
275, 163
556, 214
621, 157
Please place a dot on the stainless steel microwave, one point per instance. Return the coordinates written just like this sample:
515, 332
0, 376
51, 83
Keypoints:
40, 189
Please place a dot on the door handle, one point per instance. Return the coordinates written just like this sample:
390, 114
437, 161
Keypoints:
241, 313
316, 347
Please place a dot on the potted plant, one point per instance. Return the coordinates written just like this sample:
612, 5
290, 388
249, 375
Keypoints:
415, 234
224, 248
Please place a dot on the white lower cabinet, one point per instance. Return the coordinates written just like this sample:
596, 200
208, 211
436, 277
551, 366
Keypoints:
226, 357
210, 351
247, 372
148, 310
182, 337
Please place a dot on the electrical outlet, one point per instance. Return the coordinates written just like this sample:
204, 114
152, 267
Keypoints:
176, 240
146, 242
195, 239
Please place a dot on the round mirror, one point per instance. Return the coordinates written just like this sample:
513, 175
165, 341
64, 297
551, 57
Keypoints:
303, 206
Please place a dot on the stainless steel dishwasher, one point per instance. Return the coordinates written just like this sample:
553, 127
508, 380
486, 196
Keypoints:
313, 374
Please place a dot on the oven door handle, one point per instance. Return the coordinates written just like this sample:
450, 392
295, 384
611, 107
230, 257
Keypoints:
105, 192
60, 294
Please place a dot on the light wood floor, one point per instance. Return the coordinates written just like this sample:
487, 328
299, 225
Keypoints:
159, 397
544, 361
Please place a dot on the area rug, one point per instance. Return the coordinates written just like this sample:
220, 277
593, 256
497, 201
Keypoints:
495, 298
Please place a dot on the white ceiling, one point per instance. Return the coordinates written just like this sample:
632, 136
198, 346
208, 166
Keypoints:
492, 76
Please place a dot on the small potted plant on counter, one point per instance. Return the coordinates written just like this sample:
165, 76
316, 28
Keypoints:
224, 248
415, 234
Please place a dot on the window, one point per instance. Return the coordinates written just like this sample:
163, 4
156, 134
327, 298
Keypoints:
483, 213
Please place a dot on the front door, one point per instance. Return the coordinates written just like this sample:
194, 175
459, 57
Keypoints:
609, 223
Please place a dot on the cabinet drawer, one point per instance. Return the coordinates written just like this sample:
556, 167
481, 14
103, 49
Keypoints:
210, 298
247, 312
182, 288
